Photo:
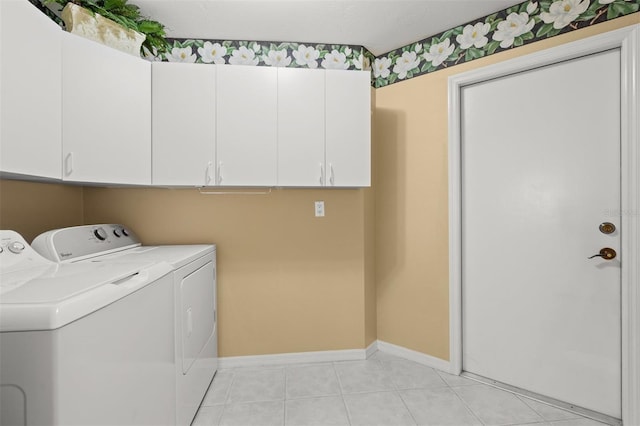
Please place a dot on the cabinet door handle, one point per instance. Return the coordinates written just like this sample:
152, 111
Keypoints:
68, 164
331, 176
208, 177
219, 173
321, 174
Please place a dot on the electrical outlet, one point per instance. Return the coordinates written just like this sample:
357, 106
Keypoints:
319, 208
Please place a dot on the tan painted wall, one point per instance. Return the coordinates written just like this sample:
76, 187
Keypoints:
31, 208
287, 281
412, 198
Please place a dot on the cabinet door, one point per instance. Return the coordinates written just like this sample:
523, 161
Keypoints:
183, 123
30, 81
246, 125
106, 114
348, 127
301, 127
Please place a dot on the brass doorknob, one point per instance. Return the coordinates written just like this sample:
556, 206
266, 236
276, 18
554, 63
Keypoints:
605, 253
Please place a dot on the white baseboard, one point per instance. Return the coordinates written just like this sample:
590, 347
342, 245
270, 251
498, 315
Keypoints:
371, 349
293, 358
411, 355
333, 356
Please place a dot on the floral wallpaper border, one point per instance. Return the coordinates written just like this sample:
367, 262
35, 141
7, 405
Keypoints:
515, 26
266, 53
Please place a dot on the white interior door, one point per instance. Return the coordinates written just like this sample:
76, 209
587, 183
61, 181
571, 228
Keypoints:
540, 173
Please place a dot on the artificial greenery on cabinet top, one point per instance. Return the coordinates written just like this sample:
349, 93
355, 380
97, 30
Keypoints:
128, 15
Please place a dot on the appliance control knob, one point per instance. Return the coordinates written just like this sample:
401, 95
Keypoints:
1, 250
100, 234
125, 232
16, 247
116, 233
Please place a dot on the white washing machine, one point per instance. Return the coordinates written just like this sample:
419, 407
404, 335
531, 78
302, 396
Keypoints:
86, 343
195, 305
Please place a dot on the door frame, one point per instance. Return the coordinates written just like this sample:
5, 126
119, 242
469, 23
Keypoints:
628, 41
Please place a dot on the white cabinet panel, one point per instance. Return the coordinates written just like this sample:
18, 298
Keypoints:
106, 120
246, 126
183, 120
30, 84
301, 127
348, 128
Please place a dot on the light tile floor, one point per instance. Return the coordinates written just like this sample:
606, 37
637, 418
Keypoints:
383, 390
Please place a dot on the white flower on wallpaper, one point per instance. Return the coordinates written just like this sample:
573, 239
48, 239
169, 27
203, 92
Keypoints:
306, 56
277, 58
212, 53
381, 67
563, 12
181, 54
515, 25
151, 55
335, 61
406, 63
474, 35
605, 1
532, 7
439, 52
362, 62
417, 48
243, 56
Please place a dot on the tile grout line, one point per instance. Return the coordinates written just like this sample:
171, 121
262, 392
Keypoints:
473, 413
344, 403
397, 390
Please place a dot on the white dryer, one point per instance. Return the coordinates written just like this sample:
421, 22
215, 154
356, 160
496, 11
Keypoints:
195, 300
84, 344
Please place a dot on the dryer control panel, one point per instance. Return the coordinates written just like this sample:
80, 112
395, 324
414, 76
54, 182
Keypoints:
83, 242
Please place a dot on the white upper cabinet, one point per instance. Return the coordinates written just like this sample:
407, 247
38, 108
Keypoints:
246, 125
30, 84
348, 128
183, 120
106, 121
301, 125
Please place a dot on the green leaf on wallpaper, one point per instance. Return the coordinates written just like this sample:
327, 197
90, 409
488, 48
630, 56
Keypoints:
448, 34
494, 25
527, 36
619, 9
226, 44
473, 53
545, 4
380, 82
517, 41
512, 9
393, 77
492, 47
544, 30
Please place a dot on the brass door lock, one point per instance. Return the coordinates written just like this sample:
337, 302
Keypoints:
607, 228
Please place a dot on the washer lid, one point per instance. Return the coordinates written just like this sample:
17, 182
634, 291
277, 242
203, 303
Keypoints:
176, 255
66, 292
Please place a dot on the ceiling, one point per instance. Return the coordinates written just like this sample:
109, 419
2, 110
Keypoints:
379, 25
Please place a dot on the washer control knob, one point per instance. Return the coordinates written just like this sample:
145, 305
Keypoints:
116, 233
16, 247
100, 234
125, 232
